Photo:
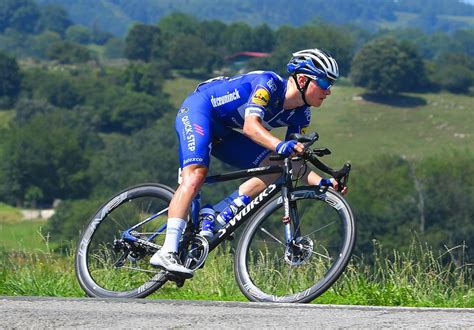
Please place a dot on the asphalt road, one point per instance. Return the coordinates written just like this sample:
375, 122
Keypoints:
36, 312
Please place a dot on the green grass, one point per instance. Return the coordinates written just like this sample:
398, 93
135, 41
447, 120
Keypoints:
17, 233
5, 117
359, 130
404, 20
415, 278
9, 214
462, 19
179, 88
22, 236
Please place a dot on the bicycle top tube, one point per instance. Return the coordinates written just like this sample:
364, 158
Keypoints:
251, 172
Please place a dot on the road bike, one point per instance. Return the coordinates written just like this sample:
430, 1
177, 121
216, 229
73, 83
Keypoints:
297, 241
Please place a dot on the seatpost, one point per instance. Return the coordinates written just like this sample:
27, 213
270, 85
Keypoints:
285, 189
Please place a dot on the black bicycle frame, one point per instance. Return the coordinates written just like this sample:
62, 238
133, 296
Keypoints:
283, 183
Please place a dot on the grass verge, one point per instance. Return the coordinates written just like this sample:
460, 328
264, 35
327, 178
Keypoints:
414, 278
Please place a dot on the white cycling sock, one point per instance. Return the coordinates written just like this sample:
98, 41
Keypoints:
174, 229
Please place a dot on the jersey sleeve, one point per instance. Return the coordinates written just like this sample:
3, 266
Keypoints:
295, 129
259, 99
300, 124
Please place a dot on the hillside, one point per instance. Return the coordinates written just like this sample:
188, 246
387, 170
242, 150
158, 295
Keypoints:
417, 125
116, 16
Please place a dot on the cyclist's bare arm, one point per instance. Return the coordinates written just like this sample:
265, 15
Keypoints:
254, 130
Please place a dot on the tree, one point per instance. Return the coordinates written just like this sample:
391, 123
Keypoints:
238, 37
48, 156
187, 52
148, 155
139, 42
143, 78
263, 38
10, 80
68, 53
454, 72
53, 18
114, 48
78, 34
60, 92
132, 112
385, 66
20, 15
37, 46
179, 23
26, 109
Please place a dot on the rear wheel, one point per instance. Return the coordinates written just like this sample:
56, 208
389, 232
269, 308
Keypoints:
268, 268
107, 265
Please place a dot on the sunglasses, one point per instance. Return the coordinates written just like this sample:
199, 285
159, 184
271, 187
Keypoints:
323, 83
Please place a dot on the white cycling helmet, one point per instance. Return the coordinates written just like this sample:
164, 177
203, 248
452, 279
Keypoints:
314, 62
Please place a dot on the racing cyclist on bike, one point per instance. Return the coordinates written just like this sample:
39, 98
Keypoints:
254, 102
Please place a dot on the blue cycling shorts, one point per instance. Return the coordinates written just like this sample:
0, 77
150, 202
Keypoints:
200, 134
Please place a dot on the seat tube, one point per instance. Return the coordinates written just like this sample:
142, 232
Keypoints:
285, 192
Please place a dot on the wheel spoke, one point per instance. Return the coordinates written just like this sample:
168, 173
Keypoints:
272, 236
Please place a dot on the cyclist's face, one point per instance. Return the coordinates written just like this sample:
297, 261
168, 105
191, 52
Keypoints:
315, 95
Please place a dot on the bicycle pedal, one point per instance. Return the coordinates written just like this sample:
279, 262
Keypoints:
175, 278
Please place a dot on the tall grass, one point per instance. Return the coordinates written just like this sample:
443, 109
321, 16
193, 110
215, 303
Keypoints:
417, 277
414, 278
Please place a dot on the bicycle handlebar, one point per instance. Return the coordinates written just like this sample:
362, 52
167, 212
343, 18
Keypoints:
341, 175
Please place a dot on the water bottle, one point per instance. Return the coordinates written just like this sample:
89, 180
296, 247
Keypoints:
207, 217
231, 210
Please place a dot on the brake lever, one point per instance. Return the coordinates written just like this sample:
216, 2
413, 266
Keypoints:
320, 152
342, 182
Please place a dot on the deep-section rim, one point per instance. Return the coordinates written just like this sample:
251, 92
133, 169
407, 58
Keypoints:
252, 292
83, 276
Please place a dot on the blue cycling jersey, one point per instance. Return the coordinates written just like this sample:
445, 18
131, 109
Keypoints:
206, 118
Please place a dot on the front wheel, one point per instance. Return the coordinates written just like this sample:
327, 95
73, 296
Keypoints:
269, 268
111, 264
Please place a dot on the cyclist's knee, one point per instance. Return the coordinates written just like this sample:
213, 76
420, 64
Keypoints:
192, 177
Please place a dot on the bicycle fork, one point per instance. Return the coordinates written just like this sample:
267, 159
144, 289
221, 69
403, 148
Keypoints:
290, 212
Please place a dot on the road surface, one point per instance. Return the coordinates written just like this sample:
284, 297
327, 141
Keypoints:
41, 312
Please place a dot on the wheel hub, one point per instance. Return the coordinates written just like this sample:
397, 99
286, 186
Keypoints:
299, 251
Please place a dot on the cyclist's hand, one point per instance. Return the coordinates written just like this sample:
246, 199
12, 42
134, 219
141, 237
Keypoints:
331, 182
288, 148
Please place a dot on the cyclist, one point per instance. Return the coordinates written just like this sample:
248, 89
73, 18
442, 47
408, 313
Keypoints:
254, 102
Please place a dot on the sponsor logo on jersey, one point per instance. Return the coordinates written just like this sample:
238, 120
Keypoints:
193, 160
183, 110
271, 84
291, 114
199, 129
259, 158
261, 97
221, 100
307, 113
189, 133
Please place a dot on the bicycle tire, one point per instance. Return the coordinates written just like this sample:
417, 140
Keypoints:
268, 269
95, 254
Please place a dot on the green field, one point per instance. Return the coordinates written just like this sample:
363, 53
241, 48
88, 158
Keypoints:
5, 117
23, 235
19, 234
9, 214
414, 125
